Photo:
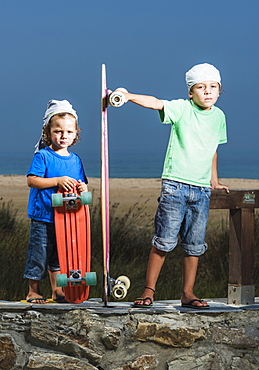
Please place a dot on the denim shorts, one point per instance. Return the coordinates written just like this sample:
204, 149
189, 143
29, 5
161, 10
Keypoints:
183, 209
42, 251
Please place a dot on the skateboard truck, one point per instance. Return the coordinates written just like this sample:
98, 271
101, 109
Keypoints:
71, 199
76, 278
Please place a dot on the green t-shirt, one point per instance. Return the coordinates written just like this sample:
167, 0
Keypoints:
194, 138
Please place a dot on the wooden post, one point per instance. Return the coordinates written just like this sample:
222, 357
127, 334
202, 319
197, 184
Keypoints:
241, 256
241, 205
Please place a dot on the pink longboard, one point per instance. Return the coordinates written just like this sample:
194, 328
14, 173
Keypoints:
115, 287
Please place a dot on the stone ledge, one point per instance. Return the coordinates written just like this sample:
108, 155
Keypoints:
120, 337
120, 308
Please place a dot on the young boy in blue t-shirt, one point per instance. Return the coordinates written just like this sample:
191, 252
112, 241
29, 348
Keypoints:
190, 170
51, 168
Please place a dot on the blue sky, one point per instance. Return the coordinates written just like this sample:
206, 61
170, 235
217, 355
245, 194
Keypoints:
54, 50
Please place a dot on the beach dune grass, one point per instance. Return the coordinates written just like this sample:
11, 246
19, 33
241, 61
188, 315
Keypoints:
130, 240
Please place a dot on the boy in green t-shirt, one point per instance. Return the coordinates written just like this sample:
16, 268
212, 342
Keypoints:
190, 171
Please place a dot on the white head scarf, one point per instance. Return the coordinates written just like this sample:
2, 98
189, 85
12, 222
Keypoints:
54, 107
201, 73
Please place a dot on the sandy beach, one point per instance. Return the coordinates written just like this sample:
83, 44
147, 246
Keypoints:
126, 192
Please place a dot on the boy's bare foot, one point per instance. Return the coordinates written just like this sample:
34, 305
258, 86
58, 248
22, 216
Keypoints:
36, 298
146, 298
193, 301
58, 296
60, 299
34, 295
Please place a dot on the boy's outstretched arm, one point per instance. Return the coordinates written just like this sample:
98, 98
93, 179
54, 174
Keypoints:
214, 183
145, 101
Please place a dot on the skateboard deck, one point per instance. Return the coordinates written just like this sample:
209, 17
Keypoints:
72, 226
116, 287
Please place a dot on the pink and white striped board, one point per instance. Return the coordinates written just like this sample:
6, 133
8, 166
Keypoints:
105, 188
115, 287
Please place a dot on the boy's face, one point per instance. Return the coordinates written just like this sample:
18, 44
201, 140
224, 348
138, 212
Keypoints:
205, 94
63, 132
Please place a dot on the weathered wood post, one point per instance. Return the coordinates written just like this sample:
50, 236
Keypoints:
241, 205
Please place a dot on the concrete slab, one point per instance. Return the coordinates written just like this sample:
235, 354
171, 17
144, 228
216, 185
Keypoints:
217, 305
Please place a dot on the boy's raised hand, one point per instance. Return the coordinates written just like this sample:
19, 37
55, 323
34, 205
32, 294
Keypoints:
118, 97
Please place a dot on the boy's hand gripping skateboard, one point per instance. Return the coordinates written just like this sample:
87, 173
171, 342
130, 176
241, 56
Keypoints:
117, 98
115, 287
72, 225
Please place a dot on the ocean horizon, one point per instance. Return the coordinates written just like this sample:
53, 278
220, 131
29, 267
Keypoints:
135, 163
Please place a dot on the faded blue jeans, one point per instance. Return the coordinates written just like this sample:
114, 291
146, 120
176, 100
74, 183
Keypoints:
42, 251
183, 209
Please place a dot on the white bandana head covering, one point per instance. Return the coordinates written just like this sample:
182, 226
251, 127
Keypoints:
201, 73
54, 107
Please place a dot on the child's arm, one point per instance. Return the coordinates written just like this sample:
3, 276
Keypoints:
145, 101
64, 182
214, 183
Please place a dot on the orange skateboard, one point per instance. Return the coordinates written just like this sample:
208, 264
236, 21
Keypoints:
72, 226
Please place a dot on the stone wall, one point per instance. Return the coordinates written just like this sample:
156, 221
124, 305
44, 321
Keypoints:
122, 338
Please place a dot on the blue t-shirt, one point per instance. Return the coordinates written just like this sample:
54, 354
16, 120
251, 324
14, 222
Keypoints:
47, 163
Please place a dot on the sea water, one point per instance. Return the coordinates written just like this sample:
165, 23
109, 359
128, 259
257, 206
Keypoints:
135, 163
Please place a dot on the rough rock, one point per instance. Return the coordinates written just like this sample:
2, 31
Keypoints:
163, 334
118, 338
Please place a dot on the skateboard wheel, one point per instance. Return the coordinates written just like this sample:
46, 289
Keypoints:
86, 197
61, 280
119, 291
90, 278
117, 98
124, 280
57, 200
